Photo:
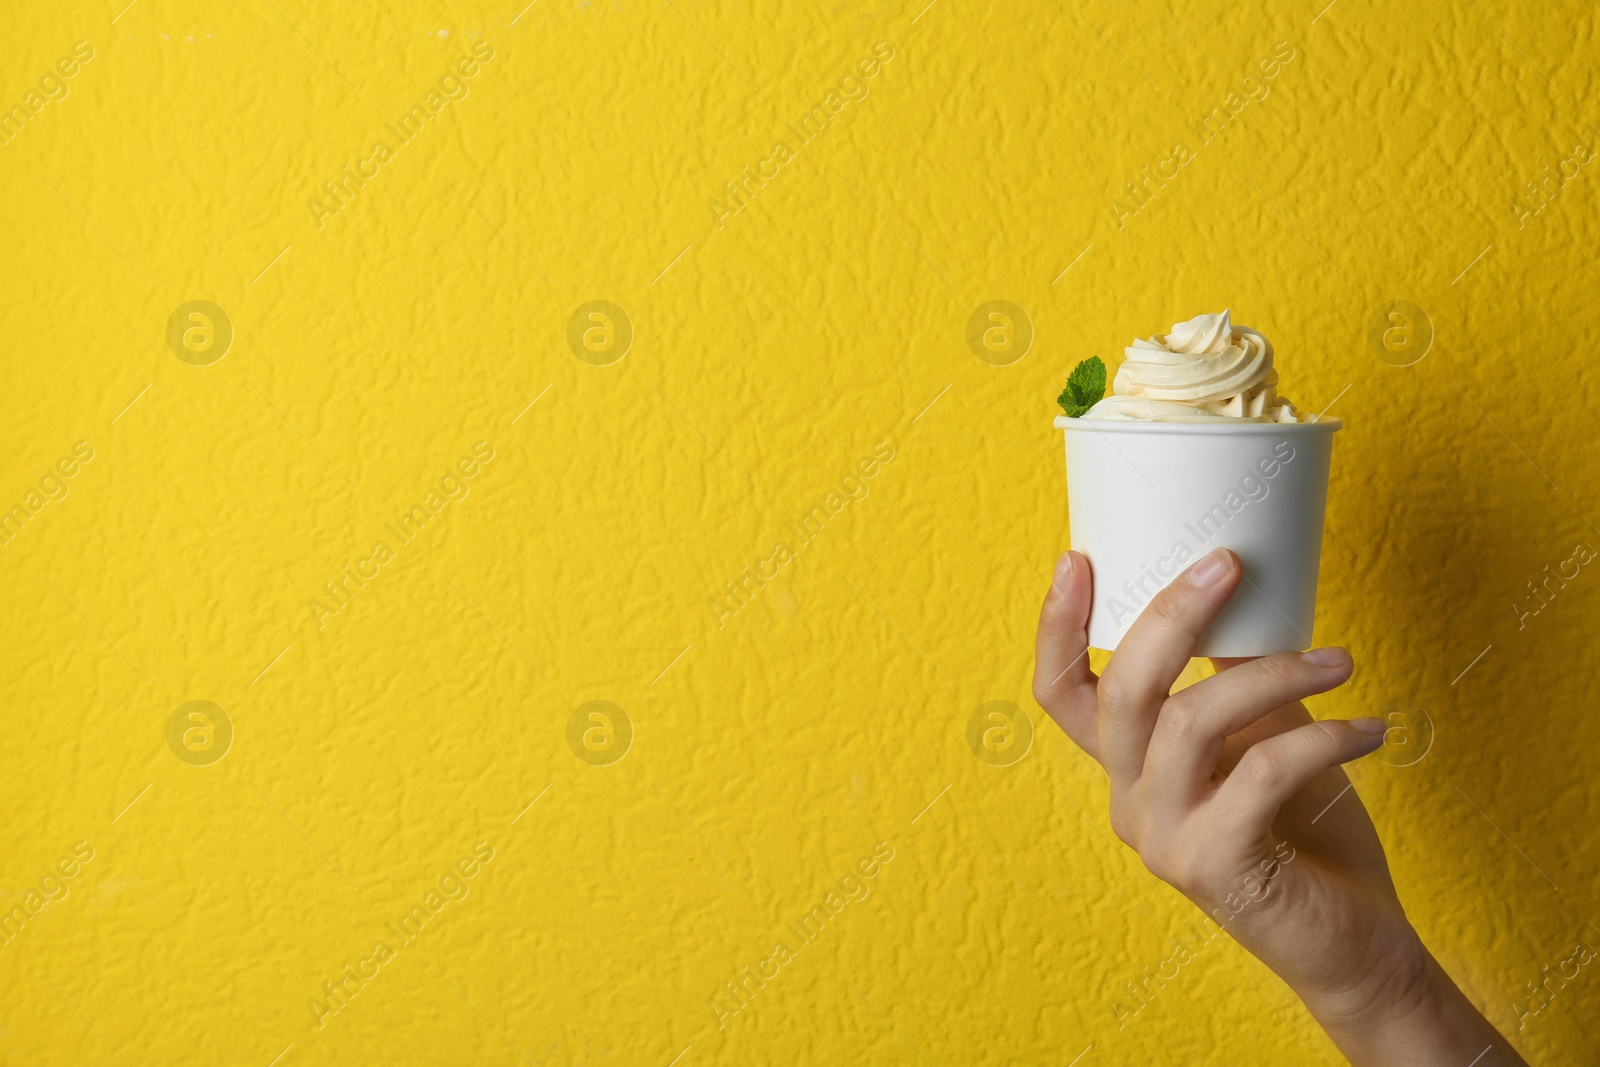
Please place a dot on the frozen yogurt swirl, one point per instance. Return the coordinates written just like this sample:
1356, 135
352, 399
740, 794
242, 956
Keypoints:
1205, 370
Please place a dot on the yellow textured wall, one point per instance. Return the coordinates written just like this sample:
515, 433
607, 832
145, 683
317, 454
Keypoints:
380, 749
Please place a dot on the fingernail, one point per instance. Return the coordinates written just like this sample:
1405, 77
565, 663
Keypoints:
1337, 658
1368, 726
1063, 569
1210, 569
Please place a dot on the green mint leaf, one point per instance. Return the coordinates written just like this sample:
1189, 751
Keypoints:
1086, 385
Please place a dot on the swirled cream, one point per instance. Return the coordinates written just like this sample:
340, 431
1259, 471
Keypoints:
1205, 370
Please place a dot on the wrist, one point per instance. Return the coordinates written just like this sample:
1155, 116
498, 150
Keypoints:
1405, 1009
1397, 981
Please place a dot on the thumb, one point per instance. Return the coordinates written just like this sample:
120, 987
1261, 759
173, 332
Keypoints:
1063, 684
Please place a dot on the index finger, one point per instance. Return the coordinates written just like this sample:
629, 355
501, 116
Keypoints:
1154, 652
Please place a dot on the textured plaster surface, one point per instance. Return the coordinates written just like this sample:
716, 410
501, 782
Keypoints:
382, 749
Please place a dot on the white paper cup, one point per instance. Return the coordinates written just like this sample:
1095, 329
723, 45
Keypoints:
1146, 499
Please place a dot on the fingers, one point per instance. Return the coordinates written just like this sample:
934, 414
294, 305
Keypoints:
1153, 653
1291, 716
1275, 722
1063, 684
1195, 724
1274, 770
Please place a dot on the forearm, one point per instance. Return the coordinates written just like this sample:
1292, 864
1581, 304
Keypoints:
1412, 1017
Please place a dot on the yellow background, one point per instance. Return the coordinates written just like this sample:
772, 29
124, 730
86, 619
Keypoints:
770, 355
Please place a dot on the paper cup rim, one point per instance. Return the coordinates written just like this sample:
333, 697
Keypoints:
1200, 429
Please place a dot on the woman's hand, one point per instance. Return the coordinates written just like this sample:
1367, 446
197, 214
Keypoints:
1231, 793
